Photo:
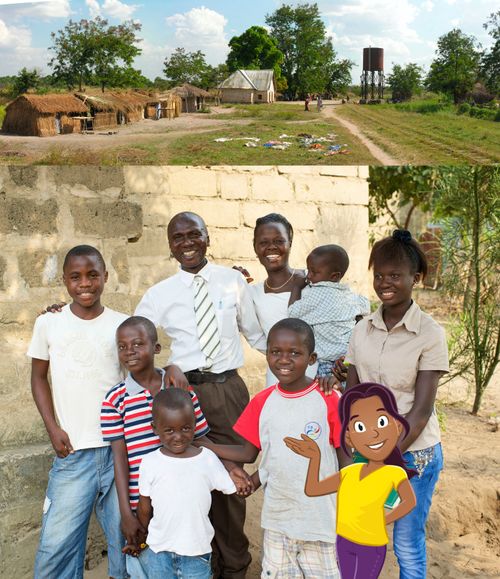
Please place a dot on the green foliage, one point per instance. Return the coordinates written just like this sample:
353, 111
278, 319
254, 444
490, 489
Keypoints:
425, 107
308, 54
497, 117
482, 113
254, 50
455, 68
490, 60
467, 202
339, 77
2, 114
463, 109
183, 66
405, 81
25, 80
399, 190
91, 51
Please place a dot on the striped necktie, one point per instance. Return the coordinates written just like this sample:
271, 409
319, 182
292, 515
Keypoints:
206, 322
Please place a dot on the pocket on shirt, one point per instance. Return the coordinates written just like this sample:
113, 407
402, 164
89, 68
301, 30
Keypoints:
226, 314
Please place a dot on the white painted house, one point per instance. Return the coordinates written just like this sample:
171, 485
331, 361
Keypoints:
249, 86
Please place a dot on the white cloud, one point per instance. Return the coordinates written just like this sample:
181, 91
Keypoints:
14, 37
94, 8
455, 22
428, 5
118, 10
201, 29
47, 9
16, 50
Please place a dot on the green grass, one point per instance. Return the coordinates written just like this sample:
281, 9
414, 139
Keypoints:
271, 112
2, 114
438, 138
201, 149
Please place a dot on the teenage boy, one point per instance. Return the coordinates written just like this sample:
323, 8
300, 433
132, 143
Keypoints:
79, 346
203, 308
126, 421
299, 531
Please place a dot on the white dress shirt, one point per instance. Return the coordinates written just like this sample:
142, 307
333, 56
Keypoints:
170, 305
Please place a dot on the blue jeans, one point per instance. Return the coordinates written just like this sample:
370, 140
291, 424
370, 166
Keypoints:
166, 564
138, 567
409, 532
77, 484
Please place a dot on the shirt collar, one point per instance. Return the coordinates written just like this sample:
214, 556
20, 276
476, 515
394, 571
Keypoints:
411, 320
334, 284
188, 278
133, 388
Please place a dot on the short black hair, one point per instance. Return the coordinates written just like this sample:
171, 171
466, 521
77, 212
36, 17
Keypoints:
187, 216
297, 326
144, 323
400, 246
274, 218
86, 250
337, 257
172, 399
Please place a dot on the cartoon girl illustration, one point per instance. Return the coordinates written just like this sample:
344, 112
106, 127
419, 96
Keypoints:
371, 425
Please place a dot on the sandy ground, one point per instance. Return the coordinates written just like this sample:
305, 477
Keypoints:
463, 528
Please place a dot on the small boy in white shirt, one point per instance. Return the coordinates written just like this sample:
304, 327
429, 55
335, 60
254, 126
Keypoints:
175, 482
328, 306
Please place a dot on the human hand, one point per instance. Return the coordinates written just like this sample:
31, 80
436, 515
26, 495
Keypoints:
132, 529
53, 309
242, 481
244, 272
132, 549
328, 384
174, 376
60, 442
305, 447
340, 369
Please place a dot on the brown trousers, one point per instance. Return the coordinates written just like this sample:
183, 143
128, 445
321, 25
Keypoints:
222, 404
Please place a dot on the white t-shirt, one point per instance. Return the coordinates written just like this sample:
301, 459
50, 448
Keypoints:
84, 365
180, 489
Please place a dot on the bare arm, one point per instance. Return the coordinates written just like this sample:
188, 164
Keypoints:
174, 376
244, 453
42, 396
309, 449
130, 525
299, 283
423, 404
352, 377
144, 511
408, 502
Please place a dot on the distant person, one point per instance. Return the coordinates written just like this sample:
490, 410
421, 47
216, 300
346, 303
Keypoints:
331, 308
306, 102
158, 111
319, 103
79, 346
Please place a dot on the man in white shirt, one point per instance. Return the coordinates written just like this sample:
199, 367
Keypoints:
203, 308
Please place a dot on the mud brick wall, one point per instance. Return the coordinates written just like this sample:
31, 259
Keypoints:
44, 211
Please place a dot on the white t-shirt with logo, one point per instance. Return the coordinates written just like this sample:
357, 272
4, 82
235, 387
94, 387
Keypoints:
84, 365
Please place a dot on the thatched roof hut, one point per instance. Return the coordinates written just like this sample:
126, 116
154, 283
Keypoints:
193, 97
110, 109
43, 115
163, 106
103, 110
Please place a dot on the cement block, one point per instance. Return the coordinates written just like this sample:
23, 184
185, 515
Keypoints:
191, 182
344, 190
271, 188
339, 170
88, 180
149, 181
25, 177
3, 269
41, 268
300, 215
234, 186
27, 217
100, 219
119, 261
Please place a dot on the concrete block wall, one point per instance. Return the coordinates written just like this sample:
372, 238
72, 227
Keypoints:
44, 211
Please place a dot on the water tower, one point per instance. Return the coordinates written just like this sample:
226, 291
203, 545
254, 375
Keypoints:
372, 77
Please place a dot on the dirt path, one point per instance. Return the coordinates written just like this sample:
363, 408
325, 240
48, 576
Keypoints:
330, 112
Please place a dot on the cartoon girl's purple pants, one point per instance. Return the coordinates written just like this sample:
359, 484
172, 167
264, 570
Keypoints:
359, 561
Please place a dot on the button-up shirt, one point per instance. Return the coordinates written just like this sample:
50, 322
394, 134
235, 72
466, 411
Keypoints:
394, 358
170, 305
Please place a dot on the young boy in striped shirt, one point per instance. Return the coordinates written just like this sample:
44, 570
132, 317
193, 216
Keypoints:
126, 422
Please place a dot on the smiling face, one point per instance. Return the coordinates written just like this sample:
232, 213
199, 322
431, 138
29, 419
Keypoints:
393, 281
288, 357
175, 427
372, 431
136, 351
272, 246
188, 240
84, 277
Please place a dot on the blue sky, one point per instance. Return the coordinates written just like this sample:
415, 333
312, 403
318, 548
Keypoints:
407, 29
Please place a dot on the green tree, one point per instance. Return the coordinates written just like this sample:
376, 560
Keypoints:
24, 80
339, 76
405, 81
490, 60
185, 66
467, 203
308, 53
397, 191
91, 50
455, 68
254, 50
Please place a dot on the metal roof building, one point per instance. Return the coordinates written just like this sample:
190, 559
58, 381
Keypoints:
249, 86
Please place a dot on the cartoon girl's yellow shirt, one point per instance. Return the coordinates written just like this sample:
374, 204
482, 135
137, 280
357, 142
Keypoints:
360, 503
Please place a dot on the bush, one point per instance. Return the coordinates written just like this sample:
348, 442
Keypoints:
463, 109
497, 116
482, 113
